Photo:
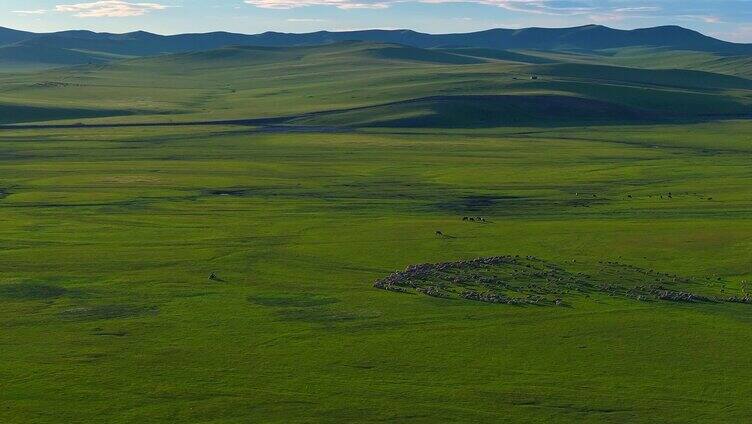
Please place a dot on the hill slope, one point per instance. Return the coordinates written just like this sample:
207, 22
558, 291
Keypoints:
480, 111
588, 38
8, 36
359, 83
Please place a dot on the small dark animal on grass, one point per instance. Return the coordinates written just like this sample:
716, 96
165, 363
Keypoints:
439, 233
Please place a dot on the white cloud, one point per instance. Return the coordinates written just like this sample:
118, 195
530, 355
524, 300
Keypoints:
638, 9
708, 19
540, 7
341, 4
109, 9
743, 34
30, 12
593, 10
545, 7
603, 18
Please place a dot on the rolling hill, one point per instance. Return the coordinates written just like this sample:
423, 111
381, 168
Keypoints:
369, 84
9, 36
83, 47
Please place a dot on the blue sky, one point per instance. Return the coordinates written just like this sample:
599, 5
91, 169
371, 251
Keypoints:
726, 19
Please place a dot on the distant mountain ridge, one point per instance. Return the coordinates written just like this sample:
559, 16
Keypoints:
77, 47
8, 35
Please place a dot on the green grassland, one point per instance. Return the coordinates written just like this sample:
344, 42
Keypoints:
108, 237
339, 82
625, 172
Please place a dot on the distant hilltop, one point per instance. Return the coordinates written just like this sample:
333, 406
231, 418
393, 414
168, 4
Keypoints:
80, 47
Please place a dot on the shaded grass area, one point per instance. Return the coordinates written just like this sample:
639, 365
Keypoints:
108, 240
484, 112
14, 113
31, 291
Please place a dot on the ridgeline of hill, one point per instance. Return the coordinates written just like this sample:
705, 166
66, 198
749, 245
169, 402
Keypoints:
20, 49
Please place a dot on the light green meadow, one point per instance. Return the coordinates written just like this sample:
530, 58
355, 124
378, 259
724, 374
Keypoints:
108, 237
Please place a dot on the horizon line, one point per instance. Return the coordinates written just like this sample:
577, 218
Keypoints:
368, 29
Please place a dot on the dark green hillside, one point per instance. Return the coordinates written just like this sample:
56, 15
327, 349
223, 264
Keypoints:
502, 55
670, 78
411, 54
10, 36
235, 56
652, 58
483, 111
20, 56
14, 113
721, 64
597, 37
357, 83
585, 38
346, 52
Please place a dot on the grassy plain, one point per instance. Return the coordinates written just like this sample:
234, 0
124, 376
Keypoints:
107, 238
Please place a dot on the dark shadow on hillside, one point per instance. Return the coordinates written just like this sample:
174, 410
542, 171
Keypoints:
490, 111
457, 112
502, 55
483, 111
10, 113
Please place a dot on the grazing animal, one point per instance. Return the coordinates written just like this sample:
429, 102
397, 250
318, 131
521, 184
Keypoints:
464, 218
439, 233
213, 276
